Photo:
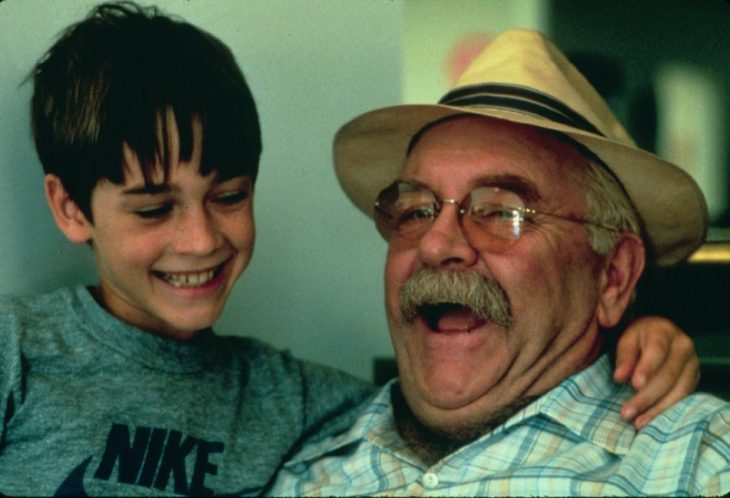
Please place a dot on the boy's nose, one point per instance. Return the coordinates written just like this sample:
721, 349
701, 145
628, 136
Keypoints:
197, 232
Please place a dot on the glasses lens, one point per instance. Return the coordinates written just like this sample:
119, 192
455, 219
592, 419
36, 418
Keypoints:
497, 213
405, 210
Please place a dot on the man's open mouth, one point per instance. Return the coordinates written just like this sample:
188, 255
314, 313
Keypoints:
450, 317
190, 279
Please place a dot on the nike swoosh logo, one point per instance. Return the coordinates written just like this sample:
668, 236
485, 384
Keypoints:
74, 483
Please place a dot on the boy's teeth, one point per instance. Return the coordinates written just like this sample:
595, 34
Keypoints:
189, 279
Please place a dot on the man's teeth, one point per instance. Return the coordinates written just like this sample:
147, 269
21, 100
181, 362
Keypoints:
195, 279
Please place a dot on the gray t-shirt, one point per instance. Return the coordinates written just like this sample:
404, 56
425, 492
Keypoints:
91, 405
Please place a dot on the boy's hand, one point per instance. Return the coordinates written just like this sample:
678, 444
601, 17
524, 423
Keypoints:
661, 362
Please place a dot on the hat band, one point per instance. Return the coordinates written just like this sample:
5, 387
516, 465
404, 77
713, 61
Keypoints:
519, 99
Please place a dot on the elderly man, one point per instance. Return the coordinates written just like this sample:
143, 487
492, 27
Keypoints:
518, 226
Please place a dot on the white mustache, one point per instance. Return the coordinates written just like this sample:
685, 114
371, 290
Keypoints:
480, 293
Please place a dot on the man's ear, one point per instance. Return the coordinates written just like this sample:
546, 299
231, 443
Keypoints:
618, 280
69, 218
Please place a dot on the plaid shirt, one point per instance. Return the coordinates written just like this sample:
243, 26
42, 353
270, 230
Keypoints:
571, 441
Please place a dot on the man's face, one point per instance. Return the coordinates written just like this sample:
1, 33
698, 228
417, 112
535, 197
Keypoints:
168, 257
457, 370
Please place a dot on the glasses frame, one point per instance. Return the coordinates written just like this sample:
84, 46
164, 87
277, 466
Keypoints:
525, 212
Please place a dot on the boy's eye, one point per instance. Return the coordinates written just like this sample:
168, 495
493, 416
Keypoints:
154, 211
231, 198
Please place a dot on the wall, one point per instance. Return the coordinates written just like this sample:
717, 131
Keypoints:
315, 284
670, 80
439, 38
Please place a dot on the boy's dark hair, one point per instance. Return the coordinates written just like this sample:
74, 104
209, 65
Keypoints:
111, 78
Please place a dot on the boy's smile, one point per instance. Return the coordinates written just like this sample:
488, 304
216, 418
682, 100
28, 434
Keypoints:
168, 253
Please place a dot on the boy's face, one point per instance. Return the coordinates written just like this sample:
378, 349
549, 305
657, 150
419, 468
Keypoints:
168, 256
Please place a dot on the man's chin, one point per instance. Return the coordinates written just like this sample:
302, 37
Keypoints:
464, 425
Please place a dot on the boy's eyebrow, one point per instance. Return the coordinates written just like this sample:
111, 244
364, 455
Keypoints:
155, 188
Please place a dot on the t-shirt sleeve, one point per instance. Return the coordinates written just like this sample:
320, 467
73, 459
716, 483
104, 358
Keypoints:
304, 400
332, 400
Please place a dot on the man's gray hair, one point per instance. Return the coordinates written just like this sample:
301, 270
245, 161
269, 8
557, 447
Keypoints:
606, 199
607, 203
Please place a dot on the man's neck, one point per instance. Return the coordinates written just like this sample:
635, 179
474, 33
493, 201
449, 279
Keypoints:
430, 447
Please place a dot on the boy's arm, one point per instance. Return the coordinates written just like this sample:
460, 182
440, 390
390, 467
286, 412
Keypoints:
333, 401
661, 363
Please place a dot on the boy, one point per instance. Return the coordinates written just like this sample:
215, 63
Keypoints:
150, 141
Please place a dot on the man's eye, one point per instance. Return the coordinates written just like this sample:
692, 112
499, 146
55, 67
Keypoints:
417, 214
231, 198
154, 212
495, 212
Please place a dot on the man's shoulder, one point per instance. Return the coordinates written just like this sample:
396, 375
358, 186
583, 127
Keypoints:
686, 449
695, 430
698, 411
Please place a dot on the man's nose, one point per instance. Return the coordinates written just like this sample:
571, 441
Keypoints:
197, 232
445, 244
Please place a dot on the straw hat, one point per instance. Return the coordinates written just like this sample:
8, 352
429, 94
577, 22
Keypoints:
522, 77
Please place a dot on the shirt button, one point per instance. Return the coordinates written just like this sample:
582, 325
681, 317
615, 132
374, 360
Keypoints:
430, 480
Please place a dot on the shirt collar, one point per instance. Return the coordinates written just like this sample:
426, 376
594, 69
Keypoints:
586, 404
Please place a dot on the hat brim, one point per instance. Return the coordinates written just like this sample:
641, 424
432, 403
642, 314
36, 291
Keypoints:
370, 150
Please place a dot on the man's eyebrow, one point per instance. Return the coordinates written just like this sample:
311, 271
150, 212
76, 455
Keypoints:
521, 186
517, 184
148, 189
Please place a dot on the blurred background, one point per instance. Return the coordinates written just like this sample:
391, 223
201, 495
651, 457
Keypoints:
315, 283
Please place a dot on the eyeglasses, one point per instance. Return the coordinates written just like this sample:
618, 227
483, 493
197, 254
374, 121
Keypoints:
407, 210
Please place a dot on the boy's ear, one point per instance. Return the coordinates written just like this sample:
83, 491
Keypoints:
69, 218
622, 270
